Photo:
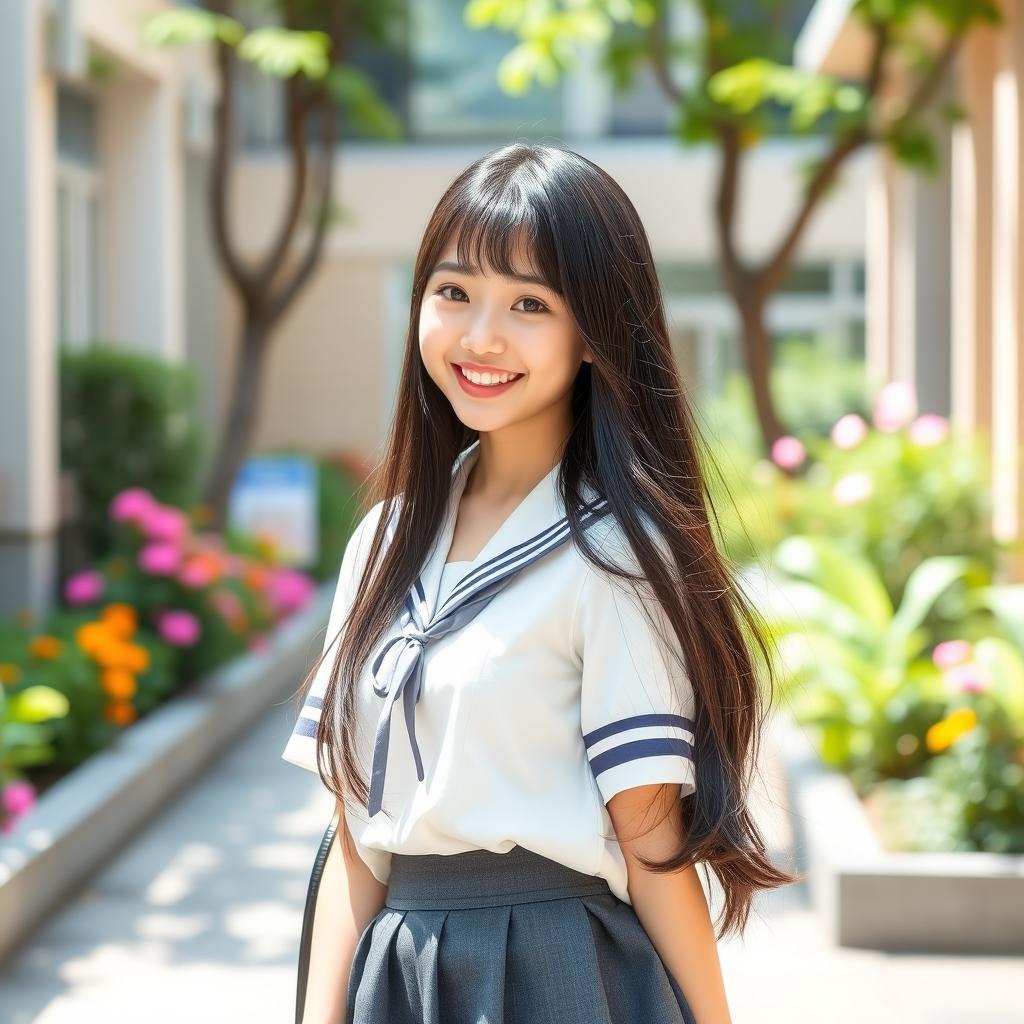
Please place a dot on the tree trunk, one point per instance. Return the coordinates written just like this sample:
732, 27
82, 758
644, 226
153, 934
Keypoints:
757, 351
241, 418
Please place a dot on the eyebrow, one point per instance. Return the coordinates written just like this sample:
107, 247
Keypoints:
453, 267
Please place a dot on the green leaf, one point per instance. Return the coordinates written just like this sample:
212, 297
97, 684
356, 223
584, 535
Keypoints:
357, 95
38, 704
928, 582
173, 28
283, 52
1005, 663
847, 578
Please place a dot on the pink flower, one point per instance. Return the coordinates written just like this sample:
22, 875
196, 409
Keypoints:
165, 523
290, 589
132, 505
929, 429
852, 488
788, 452
179, 628
196, 572
160, 559
18, 797
895, 406
84, 587
950, 653
970, 677
234, 565
849, 431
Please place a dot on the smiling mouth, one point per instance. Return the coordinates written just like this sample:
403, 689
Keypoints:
462, 373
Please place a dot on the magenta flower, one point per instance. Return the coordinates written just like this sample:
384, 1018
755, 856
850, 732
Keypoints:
852, 489
788, 452
929, 429
84, 587
895, 406
950, 653
179, 628
160, 559
290, 589
132, 505
970, 677
18, 797
165, 523
849, 431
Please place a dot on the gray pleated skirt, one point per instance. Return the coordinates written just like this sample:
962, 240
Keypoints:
506, 938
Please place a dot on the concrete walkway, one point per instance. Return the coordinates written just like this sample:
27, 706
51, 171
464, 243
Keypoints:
198, 921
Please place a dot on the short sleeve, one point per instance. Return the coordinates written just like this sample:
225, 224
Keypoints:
636, 702
301, 747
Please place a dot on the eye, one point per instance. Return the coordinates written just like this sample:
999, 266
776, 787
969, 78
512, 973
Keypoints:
455, 288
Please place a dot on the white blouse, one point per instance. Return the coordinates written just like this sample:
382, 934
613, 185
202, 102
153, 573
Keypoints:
528, 718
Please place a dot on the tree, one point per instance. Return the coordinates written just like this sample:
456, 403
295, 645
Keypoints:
739, 84
306, 46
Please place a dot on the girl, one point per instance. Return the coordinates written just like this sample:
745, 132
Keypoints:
537, 587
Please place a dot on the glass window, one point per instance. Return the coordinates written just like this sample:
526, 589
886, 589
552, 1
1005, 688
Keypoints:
455, 91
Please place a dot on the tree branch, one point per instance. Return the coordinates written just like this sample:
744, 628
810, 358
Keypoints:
659, 58
287, 292
220, 173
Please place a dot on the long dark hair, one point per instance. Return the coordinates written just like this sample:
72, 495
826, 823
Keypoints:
632, 439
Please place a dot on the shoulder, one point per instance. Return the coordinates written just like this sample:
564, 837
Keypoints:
611, 540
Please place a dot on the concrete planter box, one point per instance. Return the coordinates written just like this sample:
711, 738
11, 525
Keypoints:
870, 897
80, 821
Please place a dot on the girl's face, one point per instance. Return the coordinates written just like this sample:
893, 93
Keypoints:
497, 327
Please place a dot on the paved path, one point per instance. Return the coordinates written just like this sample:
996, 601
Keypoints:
198, 921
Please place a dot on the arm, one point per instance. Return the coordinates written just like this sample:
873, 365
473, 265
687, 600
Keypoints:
671, 906
348, 898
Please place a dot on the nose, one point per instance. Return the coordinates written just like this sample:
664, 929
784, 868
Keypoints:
484, 333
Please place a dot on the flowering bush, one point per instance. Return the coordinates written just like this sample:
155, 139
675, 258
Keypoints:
169, 603
896, 492
205, 600
917, 718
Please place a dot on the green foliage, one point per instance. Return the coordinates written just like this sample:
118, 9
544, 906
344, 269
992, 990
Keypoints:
358, 99
127, 419
854, 667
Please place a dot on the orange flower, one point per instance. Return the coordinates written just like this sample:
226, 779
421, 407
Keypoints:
121, 619
91, 636
45, 646
256, 577
120, 712
9, 673
120, 684
945, 733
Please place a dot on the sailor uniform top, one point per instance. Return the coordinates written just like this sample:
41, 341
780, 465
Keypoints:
534, 687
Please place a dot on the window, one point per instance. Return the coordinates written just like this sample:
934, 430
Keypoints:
78, 201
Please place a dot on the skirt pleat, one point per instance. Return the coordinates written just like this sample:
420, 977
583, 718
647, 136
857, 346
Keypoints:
548, 945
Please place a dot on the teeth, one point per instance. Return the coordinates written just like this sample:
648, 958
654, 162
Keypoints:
487, 378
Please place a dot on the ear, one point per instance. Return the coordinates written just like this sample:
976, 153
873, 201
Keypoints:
588, 356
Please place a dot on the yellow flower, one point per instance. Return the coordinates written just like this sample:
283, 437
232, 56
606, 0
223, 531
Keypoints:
945, 733
9, 673
45, 646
